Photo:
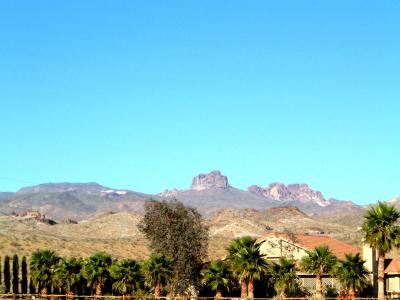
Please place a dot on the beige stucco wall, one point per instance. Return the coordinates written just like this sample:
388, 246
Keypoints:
275, 247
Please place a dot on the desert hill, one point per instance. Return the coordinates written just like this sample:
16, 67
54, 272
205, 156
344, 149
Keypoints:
77, 201
117, 233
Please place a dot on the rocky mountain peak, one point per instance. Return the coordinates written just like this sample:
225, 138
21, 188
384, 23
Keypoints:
214, 179
169, 193
280, 192
62, 187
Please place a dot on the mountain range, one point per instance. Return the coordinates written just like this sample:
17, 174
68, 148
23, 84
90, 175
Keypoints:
80, 218
208, 192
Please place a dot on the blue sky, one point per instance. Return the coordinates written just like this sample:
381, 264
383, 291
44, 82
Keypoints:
146, 94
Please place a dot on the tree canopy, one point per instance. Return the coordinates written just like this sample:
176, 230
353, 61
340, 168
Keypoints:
218, 276
68, 275
284, 275
127, 276
157, 271
96, 270
352, 273
177, 231
248, 264
42, 266
319, 261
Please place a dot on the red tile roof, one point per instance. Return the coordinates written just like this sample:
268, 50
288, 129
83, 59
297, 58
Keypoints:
392, 265
309, 242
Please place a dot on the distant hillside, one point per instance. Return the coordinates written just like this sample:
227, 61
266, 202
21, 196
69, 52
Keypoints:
212, 191
76, 201
118, 232
208, 192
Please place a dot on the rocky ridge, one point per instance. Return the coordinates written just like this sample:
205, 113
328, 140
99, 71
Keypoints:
280, 192
210, 180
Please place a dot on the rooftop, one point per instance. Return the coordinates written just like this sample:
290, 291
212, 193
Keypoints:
309, 242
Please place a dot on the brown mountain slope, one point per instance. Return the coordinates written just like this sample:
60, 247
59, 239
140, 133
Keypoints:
117, 233
231, 223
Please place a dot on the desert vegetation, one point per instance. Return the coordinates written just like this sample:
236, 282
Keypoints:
178, 266
101, 274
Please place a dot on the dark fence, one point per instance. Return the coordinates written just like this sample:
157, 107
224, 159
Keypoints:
108, 297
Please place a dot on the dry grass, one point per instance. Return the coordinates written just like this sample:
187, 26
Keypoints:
118, 235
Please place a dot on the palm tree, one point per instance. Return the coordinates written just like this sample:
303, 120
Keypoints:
157, 270
233, 249
68, 275
352, 274
96, 270
247, 262
284, 275
42, 268
126, 274
382, 234
319, 261
218, 276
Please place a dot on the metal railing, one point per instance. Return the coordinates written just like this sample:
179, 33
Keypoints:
111, 297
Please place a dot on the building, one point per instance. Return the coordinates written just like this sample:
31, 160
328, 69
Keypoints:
392, 271
275, 245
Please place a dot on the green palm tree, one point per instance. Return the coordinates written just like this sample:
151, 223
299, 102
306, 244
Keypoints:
382, 233
352, 274
218, 276
247, 262
126, 274
319, 261
157, 270
96, 270
284, 275
43, 264
68, 275
233, 249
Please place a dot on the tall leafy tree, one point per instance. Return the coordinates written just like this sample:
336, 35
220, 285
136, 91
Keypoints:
43, 264
7, 275
157, 271
284, 275
382, 233
68, 276
15, 278
24, 276
218, 276
126, 275
31, 287
247, 263
319, 261
178, 232
352, 274
96, 270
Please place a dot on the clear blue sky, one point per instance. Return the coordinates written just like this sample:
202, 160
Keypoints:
146, 94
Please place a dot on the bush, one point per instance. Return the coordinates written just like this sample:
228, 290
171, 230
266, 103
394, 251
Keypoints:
331, 292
